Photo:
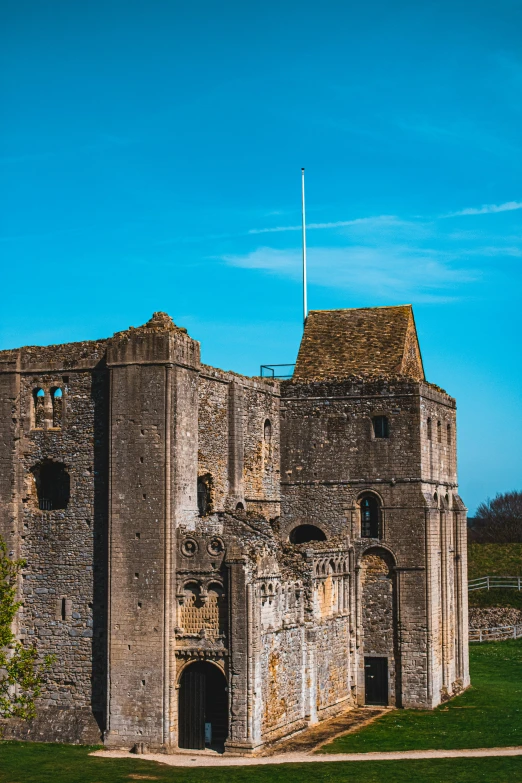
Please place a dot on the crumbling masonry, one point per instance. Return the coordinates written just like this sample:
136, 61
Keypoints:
215, 559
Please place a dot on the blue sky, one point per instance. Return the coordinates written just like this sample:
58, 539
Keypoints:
150, 156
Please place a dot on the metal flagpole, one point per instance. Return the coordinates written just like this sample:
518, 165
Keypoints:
305, 306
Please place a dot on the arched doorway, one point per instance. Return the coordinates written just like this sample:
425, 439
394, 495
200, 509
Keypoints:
203, 707
302, 534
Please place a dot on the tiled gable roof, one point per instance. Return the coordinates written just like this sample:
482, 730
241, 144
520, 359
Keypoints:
369, 341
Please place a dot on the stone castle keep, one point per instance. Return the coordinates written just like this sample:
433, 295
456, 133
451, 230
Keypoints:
216, 559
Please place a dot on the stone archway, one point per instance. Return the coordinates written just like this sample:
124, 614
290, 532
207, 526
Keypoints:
203, 707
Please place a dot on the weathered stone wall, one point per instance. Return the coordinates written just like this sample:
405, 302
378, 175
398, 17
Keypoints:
330, 458
379, 614
64, 584
131, 580
238, 451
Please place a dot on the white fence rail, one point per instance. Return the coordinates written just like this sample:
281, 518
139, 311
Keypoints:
495, 634
491, 582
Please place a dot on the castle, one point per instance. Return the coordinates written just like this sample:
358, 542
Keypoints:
221, 560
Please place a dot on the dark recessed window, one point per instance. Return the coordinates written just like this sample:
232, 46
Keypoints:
439, 432
428, 427
370, 517
268, 431
448, 434
203, 497
53, 485
380, 427
305, 533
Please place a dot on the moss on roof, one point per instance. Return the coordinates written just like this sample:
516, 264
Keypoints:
368, 341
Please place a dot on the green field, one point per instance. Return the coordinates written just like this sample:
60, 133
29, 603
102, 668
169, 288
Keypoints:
495, 560
488, 715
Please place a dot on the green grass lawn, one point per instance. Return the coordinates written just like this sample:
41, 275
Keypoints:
38, 763
494, 560
487, 715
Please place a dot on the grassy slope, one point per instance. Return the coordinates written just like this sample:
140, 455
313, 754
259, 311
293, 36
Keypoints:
495, 560
487, 715
37, 763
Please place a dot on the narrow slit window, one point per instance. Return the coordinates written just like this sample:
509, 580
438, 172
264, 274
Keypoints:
204, 496
39, 408
439, 432
448, 434
370, 517
428, 425
57, 400
380, 427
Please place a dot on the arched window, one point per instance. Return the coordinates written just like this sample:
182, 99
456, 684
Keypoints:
380, 427
57, 400
204, 495
267, 431
240, 507
448, 434
53, 485
39, 408
302, 534
439, 432
370, 517
428, 425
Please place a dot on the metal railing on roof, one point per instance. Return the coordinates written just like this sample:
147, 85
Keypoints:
269, 371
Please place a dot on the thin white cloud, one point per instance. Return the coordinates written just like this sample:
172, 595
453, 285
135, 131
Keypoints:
391, 273
368, 221
486, 209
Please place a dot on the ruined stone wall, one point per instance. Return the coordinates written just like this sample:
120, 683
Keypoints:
262, 460
332, 648
64, 584
213, 436
238, 451
282, 679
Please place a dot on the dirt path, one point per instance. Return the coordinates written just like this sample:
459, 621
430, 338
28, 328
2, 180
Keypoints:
211, 759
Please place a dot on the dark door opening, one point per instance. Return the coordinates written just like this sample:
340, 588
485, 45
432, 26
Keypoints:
203, 707
376, 681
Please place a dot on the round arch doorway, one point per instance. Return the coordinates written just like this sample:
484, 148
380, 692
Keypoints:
203, 707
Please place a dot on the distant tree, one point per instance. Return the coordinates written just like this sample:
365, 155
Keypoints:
21, 673
499, 521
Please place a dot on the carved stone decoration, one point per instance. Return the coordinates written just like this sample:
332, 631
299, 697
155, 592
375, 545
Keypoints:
189, 547
215, 546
